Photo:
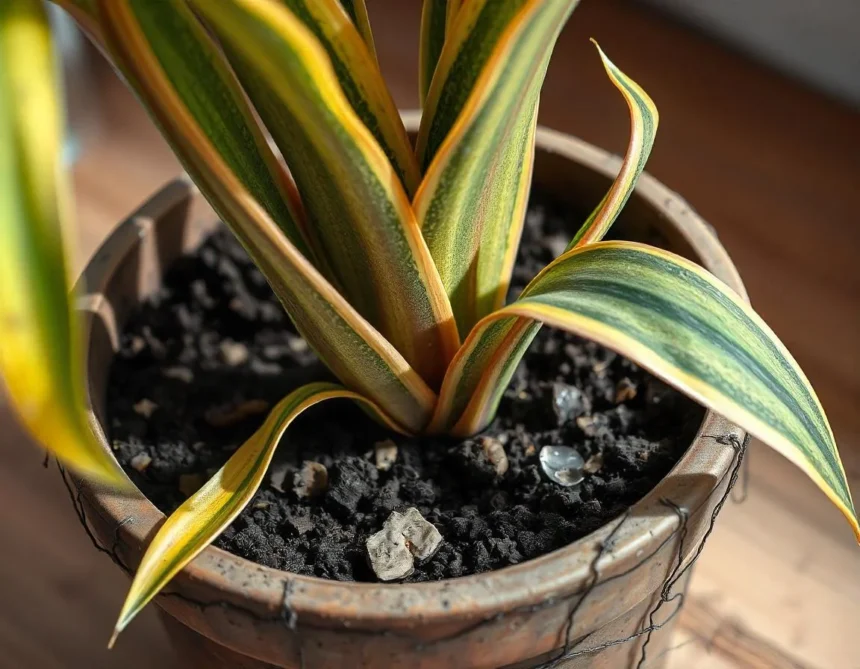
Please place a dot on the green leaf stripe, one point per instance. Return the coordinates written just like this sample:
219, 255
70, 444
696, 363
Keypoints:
471, 204
478, 28
204, 515
681, 323
358, 211
357, 11
643, 129
40, 351
201, 78
346, 342
361, 82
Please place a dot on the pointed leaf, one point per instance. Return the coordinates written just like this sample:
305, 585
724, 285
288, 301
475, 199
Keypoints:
473, 375
204, 515
643, 128
358, 13
361, 81
471, 204
356, 205
197, 73
346, 342
437, 17
40, 352
676, 320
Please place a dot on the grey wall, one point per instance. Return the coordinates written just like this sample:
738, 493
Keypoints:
815, 40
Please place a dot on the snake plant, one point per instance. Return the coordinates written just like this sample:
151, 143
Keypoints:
393, 261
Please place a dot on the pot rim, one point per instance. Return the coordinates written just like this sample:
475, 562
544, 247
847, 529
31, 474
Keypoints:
263, 591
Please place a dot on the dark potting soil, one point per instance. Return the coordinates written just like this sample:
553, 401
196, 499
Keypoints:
203, 360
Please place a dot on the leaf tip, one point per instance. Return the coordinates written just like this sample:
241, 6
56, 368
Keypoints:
113, 637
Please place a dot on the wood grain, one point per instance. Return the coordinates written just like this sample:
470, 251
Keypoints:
773, 166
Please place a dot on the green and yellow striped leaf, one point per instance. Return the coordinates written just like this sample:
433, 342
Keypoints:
437, 18
40, 351
200, 77
204, 515
643, 128
352, 348
682, 324
356, 206
358, 14
472, 202
361, 81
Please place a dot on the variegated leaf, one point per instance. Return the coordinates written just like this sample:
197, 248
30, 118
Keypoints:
356, 205
40, 352
512, 341
173, 40
361, 82
682, 324
204, 515
357, 11
437, 18
471, 204
139, 36
643, 128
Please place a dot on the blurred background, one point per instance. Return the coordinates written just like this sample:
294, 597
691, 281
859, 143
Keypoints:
760, 132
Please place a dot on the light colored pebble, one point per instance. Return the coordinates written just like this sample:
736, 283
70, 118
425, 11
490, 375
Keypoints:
179, 373
494, 451
422, 537
140, 462
385, 453
233, 353
311, 480
389, 555
146, 407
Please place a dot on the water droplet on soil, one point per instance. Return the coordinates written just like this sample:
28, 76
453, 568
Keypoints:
562, 464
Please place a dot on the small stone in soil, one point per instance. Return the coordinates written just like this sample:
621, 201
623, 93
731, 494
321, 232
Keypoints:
562, 464
422, 537
385, 453
624, 391
389, 556
140, 462
311, 480
495, 453
594, 464
179, 373
227, 415
233, 353
145, 407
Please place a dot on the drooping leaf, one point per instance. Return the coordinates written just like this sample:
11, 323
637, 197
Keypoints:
509, 341
345, 341
358, 13
472, 201
40, 351
437, 17
643, 128
356, 205
361, 82
204, 515
682, 324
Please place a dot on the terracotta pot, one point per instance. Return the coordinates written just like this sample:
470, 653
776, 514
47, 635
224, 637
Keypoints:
224, 611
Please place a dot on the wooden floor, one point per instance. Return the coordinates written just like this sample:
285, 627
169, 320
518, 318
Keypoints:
774, 167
